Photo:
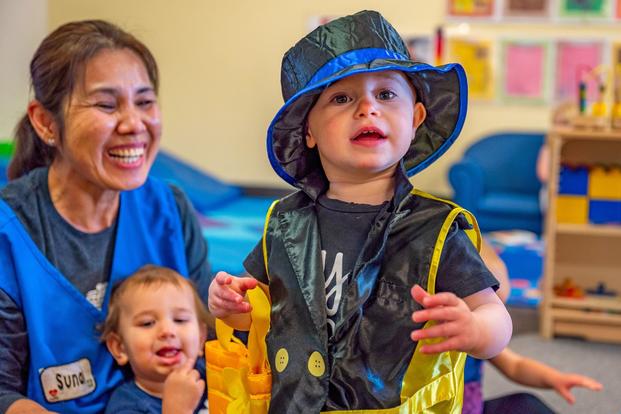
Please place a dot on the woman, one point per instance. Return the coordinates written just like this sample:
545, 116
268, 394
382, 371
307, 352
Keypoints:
81, 214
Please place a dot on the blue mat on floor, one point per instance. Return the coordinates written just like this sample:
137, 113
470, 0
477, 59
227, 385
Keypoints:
522, 252
232, 230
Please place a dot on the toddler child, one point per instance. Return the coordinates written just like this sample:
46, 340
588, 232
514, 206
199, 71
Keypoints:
344, 258
158, 324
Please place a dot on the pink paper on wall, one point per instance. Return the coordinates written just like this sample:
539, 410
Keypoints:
574, 60
525, 70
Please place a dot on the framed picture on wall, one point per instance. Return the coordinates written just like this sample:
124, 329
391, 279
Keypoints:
584, 8
420, 48
577, 61
475, 55
470, 8
524, 74
526, 8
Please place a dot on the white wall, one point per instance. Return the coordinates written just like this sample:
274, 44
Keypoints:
23, 23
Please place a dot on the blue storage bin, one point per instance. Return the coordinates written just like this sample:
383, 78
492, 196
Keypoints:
605, 211
573, 180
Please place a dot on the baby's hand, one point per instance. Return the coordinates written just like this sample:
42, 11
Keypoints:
183, 390
226, 294
455, 322
565, 382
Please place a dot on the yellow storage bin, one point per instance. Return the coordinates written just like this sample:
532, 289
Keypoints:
605, 183
572, 209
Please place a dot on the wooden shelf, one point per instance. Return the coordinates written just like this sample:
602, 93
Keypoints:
586, 253
593, 332
589, 229
593, 134
572, 315
600, 303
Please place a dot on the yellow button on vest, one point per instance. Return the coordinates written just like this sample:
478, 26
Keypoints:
282, 359
316, 365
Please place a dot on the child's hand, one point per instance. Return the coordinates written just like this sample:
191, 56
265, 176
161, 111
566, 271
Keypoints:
455, 322
183, 390
226, 294
563, 384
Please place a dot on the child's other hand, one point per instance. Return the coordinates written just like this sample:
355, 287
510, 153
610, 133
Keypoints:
455, 322
563, 384
227, 293
183, 390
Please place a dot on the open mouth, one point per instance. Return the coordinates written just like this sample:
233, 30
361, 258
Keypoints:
369, 134
127, 155
168, 352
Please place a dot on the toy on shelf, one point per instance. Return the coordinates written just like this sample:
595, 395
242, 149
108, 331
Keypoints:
616, 95
569, 289
602, 290
589, 194
598, 117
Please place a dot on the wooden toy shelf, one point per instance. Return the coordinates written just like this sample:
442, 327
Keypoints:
586, 253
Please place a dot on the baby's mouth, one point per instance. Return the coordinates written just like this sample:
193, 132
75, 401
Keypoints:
167, 352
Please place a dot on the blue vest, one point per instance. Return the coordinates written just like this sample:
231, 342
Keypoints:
66, 356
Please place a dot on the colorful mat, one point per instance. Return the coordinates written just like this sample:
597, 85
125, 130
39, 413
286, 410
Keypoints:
522, 252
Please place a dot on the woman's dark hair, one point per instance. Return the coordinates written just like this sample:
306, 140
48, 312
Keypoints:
56, 66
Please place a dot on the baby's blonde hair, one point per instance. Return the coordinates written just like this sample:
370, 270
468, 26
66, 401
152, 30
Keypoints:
147, 276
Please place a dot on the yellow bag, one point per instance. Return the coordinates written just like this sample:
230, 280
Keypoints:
239, 379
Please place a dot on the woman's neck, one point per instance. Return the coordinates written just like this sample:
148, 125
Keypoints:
85, 206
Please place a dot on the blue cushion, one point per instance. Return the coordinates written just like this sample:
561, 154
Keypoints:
204, 191
510, 204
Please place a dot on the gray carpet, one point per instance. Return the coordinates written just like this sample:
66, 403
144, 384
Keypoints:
598, 360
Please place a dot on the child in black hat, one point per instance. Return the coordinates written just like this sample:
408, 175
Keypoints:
344, 258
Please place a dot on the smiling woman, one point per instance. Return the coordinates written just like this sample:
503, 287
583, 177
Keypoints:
80, 214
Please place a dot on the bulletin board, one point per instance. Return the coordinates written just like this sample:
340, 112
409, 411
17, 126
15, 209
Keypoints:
584, 8
471, 8
574, 60
475, 55
526, 9
525, 76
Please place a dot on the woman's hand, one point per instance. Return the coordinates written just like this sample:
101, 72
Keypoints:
27, 407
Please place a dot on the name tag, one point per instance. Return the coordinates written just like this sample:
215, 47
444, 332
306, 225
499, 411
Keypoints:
67, 382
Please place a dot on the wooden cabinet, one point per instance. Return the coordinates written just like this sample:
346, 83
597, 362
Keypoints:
586, 253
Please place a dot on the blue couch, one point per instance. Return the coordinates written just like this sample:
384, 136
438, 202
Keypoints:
496, 180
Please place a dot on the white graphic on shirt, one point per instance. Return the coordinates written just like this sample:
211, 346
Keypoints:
334, 286
96, 296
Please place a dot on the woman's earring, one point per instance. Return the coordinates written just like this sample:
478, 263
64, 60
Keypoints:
51, 142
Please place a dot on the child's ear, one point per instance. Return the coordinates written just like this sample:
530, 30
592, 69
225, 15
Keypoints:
117, 349
311, 142
420, 113
202, 339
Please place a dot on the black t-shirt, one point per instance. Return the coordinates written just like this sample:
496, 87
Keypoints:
343, 231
